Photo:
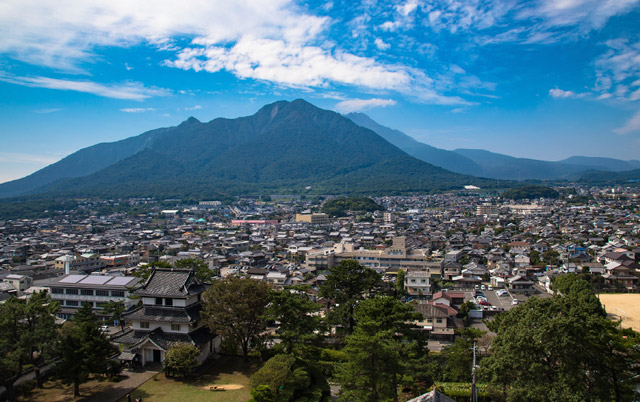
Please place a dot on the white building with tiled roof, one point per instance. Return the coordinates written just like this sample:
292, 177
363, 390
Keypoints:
169, 314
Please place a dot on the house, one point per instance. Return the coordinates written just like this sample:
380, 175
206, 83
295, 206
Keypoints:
520, 284
438, 320
170, 314
417, 283
451, 299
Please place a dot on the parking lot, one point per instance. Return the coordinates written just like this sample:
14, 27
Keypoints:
505, 302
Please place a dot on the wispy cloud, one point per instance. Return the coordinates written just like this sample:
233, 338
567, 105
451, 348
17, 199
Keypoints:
129, 90
631, 126
356, 105
47, 111
137, 109
196, 107
618, 69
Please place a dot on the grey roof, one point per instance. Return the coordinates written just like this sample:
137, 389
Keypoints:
167, 282
430, 311
163, 339
166, 314
433, 396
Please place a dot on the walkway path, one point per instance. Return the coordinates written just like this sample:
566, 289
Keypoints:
122, 388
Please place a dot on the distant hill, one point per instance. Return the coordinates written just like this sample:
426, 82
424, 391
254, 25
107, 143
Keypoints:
596, 178
285, 146
605, 164
499, 166
439, 157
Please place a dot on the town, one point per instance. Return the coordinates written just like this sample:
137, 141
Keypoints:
151, 275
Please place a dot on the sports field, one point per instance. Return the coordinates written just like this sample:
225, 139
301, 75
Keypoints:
625, 306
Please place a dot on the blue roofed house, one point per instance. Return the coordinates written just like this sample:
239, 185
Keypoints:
169, 314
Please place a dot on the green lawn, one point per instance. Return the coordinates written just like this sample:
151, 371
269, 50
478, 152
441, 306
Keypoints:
228, 370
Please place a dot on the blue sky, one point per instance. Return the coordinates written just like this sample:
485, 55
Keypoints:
545, 79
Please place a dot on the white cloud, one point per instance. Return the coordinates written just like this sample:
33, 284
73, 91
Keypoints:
129, 90
137, 109
356, 105
559, 93
631, 126
270, 40
380, 44
618, 69
196, 107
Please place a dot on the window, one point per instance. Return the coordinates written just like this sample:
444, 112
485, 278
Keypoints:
439, 321
144, 325
72, 291
175, 327
159, 301
86, 292
117, 293
57, 291
102, 293
168, 302
73, 303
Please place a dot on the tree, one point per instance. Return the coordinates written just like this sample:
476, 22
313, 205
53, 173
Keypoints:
383, 352
551, 257
284, 378
562, 348
534, 257
347, 284
235, 308
274, 373
400, 283
115, 309
83, 349
200, 267
182, 359
12, 356
295, 313
40, 331
459, 356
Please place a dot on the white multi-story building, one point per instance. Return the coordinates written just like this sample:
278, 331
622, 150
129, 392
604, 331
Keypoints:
417, 283
72, 291
169, 314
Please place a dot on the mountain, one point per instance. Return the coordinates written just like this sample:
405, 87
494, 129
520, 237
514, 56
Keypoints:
439, 157
499, 166
605, 164
597, 178
285, 146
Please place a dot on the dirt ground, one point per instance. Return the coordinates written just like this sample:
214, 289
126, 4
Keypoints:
625, 306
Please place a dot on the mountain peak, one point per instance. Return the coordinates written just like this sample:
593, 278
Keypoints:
191, 120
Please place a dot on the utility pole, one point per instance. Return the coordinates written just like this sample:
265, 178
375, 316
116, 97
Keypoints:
474, 390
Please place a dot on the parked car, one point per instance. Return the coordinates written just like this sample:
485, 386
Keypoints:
489, 287
484, 303
104, 328
483, 287
479, 293
514, 302
502, 292
477, 287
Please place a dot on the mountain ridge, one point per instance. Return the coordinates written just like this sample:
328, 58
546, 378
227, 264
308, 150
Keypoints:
284, 146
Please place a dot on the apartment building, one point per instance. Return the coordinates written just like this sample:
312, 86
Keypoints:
314, 219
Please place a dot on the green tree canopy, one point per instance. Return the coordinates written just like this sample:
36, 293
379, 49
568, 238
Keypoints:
297, 318
83, 349
347, 284
115, 309
384, 352
562, 348
181, 359
235, 308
